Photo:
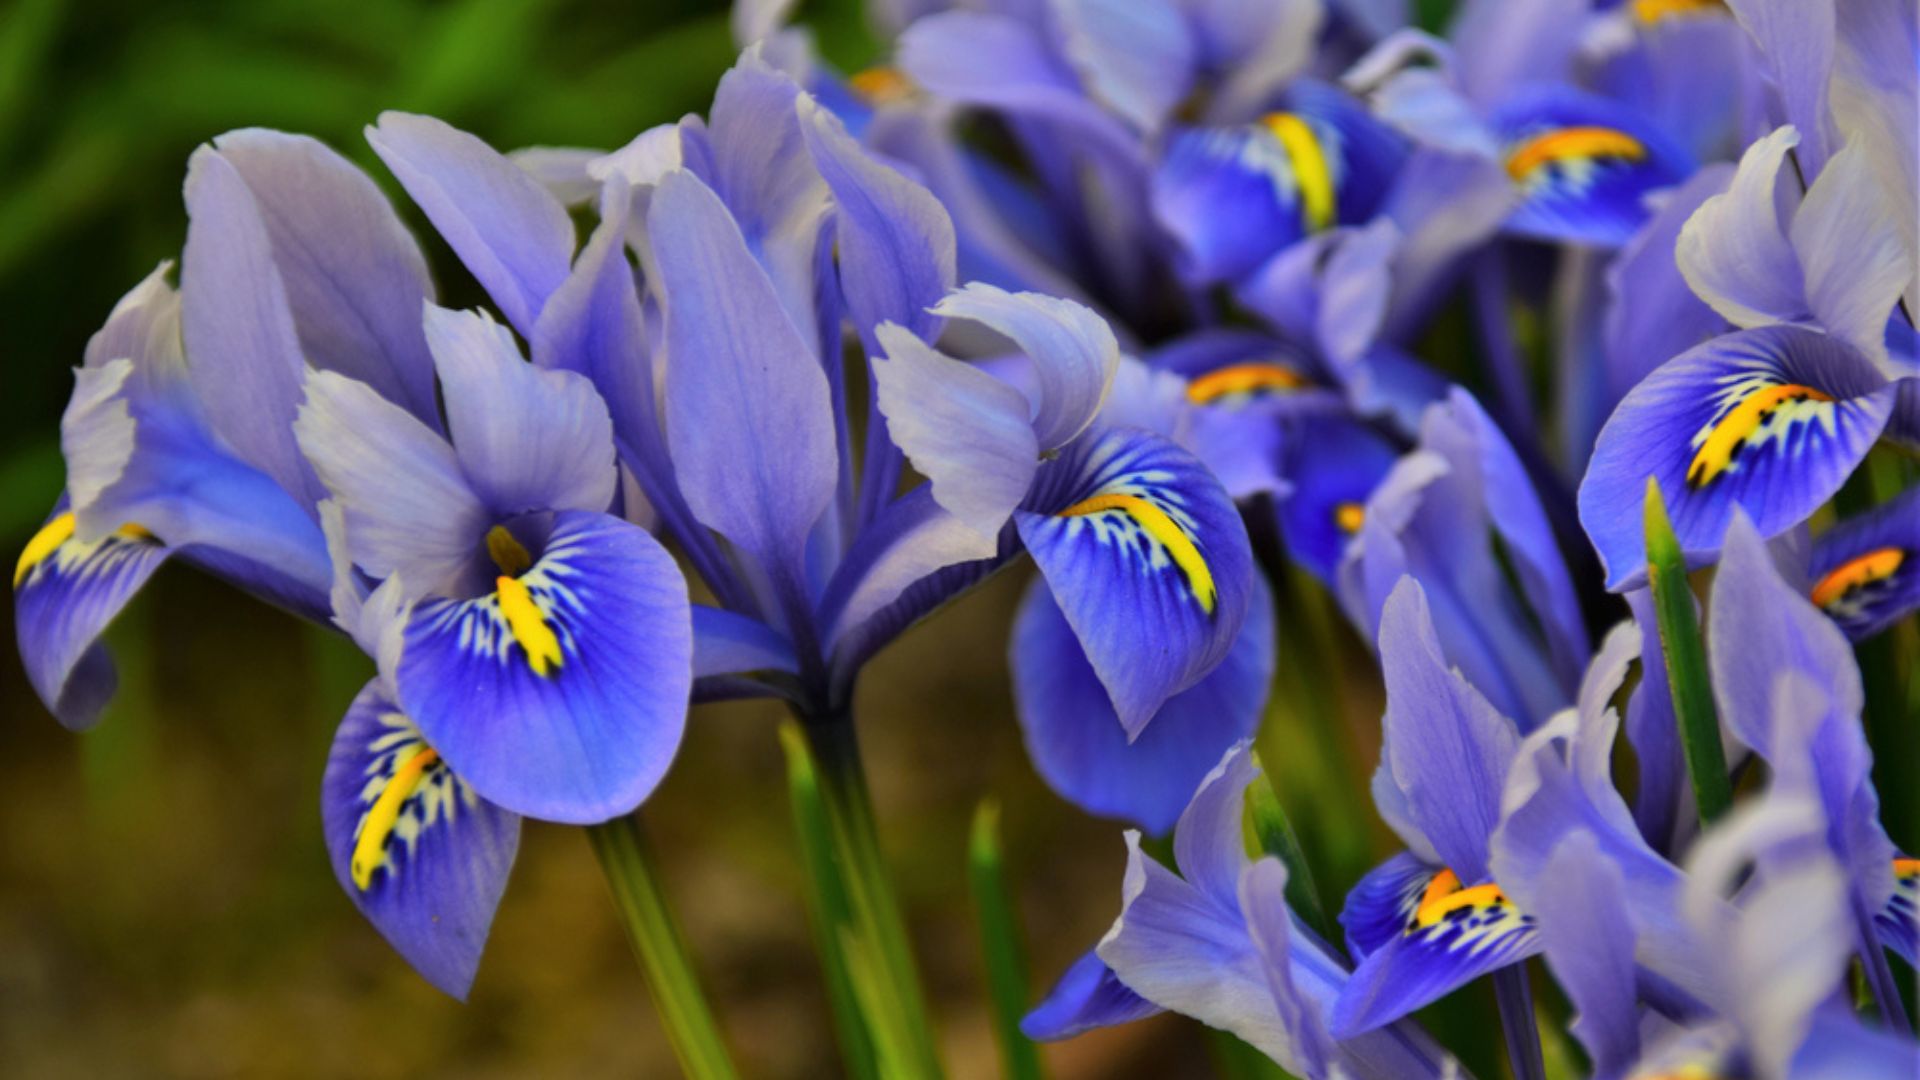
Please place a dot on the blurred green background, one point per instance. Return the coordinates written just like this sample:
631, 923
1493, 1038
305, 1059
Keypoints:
166, 907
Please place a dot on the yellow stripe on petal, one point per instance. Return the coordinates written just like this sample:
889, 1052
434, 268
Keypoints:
1165, 532
1858, 573
370, 850
1754, 415
1570, 143
1349, 516
1652, 11
1906, 868
1310, 169
44, 543
528, 625
1444, 894
1249, 378
881, 85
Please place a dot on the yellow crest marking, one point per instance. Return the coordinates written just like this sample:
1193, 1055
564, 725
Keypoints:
1310, 169
369, 851
1444, 894
1572, 142
881, 85
528, 625
1716, 454
1906, 868
507, 552
1855, 573
1163, 529
1349, 516
1246, 378
44, 543
1652, 11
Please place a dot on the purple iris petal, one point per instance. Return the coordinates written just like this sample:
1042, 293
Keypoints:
1770, 420
1866, 569
1088, 996
562, 695
514, 236
421, 854
1076, 740
1148, 560
748, 414
527, 438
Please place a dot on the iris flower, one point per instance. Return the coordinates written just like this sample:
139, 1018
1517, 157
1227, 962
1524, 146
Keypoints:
1217, 942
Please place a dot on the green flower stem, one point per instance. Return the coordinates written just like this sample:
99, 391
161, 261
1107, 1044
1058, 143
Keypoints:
634, 879
880, 955
1000, 941
1275, 835
1686, 662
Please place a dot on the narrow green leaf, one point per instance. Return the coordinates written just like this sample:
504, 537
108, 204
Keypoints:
1000, 940
1686, 661
828, 906
1274, 833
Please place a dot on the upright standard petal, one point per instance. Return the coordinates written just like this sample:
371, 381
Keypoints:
1148, 560
1733, 251
1854, 262
354, 277
749, 418
1445, 747
239, 329
1589, 944
527, 438
894, 240
1771, 420
514, 236
1866, 569
422, 855
1796, 46
1076, 740
562, 694
65, 592
409, 507
1584, 166
1073, 350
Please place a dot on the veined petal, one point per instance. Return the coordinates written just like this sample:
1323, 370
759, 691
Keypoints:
1137, 56
1334, 464
895, 241
1445, 747
1796, 46
1457, 934
1589, 943
1148, 560
409, 506
1866, 570
1381, 905
1073, 350
1302, 1023
563, 693
749, 417
963, 429
527, 438
1088, 996
514, 236
565, 171
420, 853
1233, 197
1584, 166
1771, 420
726, 642
1076, 741
65, 592
354, 278
238, 326
1653, 316
1851, 254
1733, 251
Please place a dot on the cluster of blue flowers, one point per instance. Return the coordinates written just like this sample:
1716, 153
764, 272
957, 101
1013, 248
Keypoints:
1140, 289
